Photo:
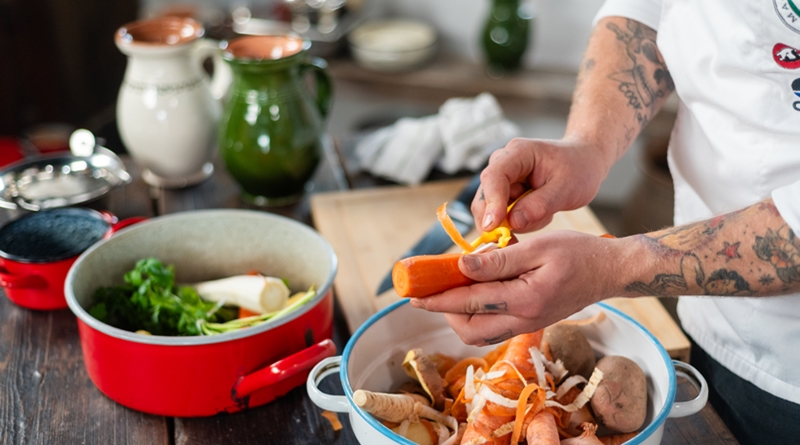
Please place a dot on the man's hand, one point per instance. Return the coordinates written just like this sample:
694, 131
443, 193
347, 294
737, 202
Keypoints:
622, 83
564, 175
548, 277
530, 285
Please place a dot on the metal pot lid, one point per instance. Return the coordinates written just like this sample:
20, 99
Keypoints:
60, 180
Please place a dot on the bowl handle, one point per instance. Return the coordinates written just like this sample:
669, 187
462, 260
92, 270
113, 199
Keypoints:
11, 281
284, 368
329, 402
689, 407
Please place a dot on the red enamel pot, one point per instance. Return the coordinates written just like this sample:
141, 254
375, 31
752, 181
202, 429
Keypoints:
38, 249
206, 375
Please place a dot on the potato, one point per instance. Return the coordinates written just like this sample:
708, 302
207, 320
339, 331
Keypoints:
568, 343
620, 401
420, 433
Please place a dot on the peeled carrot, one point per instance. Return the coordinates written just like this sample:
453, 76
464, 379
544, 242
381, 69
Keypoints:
543, 430
425, 275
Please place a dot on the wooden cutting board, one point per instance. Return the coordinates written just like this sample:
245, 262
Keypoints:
369, 229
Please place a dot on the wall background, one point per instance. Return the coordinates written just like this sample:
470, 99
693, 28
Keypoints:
561, 27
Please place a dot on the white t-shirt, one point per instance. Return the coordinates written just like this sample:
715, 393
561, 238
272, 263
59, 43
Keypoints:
736, 141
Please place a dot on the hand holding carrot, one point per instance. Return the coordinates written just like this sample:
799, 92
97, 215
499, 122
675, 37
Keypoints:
532, 284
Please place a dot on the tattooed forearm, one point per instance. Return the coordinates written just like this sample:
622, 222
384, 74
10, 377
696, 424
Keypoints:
646, 79
737, 254
781, 249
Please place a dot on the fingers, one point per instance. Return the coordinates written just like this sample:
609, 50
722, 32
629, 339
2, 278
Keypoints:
507, 166
482, 298
501, 264
483, 329
535, 210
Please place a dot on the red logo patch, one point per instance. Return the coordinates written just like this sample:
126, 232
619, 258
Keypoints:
786, 56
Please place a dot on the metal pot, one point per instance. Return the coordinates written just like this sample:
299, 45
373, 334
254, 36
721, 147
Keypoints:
35, 280
373, 356
205, 375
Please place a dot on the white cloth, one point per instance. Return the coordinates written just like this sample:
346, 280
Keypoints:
471, 129
461, 136
736, 141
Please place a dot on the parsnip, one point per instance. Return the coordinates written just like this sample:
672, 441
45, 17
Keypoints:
255, 293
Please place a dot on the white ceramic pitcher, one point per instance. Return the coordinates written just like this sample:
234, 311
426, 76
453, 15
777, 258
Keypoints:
168, 109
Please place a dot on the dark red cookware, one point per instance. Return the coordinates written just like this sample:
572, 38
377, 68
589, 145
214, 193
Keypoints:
34, 262
206, 375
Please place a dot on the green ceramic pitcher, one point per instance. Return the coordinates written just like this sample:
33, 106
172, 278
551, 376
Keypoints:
272, 126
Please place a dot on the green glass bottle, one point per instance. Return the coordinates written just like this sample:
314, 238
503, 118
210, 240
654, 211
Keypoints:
505, 36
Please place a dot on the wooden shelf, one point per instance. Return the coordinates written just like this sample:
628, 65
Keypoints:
463, 77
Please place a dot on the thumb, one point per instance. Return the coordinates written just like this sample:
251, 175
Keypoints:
495, 265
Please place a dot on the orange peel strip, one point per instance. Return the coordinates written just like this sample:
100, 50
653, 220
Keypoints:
333, 418
451, 230
522, 405
460, 368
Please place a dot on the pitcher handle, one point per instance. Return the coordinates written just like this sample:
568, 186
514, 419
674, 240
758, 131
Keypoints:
222, 78
323, 83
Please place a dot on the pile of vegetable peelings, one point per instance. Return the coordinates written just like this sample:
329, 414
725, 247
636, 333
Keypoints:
150, 302
545, 387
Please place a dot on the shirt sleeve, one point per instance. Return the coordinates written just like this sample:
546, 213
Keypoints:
647, 12
787, 200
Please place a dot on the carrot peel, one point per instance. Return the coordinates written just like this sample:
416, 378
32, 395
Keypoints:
451, 230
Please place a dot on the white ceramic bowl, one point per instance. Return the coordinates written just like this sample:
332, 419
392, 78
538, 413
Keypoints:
392, 45
373, 356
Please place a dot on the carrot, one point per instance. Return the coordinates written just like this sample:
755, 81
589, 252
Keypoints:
424, 275
495, 354
244, 313
542, 430
522, 405
489, 425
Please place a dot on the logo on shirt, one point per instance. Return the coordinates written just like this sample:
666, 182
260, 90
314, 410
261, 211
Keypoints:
796, 89
789, 11
786, 56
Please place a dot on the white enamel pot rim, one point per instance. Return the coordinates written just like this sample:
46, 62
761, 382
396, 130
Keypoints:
362, 421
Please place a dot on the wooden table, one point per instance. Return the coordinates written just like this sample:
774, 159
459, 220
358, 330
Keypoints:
46, 396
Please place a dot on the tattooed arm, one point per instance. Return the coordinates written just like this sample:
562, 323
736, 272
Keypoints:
752, 252
622, 84
546, 278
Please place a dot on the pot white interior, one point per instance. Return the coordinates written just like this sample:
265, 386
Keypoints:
372, 360
205, 245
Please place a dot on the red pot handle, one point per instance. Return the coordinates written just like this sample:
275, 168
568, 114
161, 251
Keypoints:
126, 222
116, 224
21, 281
282, 369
